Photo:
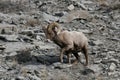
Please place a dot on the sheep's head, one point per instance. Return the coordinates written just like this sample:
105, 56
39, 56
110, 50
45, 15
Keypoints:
51, 30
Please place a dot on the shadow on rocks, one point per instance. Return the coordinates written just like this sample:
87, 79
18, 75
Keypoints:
25, 57
47, 59
20, 57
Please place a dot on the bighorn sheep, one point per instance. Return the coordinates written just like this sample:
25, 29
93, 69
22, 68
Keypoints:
69, 41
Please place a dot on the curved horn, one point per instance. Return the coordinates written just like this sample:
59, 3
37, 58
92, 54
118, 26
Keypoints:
53, 25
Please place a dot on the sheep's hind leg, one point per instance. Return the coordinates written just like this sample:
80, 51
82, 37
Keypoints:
86, 55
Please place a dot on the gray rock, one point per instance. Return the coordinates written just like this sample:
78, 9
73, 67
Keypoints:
49, 18
43, 46
17, 46
97, 61
88, 71
8, 20
82, 6
96, 68
115, 61
59, 65
71, 7
13, 54
7, 29
104, 55
60, 14
112, 67
79, 14
24, 38
85, 31
39, 36
2, 69
114, 73
27, 32
2, 47
20, 78
98, 42
111, 52
9, 38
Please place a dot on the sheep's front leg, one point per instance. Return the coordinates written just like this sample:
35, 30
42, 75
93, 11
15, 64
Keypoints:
61, 55
69, 56
63, 51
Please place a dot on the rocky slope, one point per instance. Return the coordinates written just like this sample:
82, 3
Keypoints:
25, 54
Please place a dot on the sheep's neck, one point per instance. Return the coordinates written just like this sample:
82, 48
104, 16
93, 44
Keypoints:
58, 41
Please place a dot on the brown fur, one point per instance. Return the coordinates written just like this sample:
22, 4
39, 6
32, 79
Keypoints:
69, 41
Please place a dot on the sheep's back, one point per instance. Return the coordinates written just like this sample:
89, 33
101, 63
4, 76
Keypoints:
79, 38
